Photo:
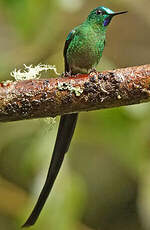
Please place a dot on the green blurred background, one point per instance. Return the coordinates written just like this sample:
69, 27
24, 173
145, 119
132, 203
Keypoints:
104, 183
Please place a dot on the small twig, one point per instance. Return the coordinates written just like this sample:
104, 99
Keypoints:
56, 96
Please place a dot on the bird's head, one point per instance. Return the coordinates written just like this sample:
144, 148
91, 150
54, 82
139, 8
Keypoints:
102, 16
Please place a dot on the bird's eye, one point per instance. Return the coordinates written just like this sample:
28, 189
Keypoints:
98, 12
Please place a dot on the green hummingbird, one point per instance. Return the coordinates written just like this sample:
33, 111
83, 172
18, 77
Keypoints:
82, 52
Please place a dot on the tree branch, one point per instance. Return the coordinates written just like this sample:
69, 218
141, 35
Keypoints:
56, 96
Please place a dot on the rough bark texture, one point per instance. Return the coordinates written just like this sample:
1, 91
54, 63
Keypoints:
56, 96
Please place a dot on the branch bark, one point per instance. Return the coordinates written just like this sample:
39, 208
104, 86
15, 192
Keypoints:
84, 92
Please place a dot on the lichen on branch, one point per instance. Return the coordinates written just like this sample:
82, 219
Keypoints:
31, 72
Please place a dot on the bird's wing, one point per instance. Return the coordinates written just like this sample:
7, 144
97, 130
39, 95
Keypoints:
64, 136
68, 40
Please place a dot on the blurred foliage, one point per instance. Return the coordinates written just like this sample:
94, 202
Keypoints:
104, 181
26, 15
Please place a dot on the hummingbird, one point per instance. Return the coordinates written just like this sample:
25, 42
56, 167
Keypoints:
82, 52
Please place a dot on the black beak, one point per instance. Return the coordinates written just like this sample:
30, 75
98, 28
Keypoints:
117, 13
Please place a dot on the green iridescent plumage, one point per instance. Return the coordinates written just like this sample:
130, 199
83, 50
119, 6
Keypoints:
85, 43
82, 52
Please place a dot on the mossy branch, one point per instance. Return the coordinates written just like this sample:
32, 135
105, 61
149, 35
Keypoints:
84, 92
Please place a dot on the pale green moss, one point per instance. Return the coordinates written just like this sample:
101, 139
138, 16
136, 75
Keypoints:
68, 86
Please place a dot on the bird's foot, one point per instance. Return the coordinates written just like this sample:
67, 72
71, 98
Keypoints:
67, 74
92, 71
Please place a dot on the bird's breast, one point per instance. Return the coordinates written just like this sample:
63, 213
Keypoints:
84, 52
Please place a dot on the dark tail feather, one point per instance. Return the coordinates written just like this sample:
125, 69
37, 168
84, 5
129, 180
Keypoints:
64, 136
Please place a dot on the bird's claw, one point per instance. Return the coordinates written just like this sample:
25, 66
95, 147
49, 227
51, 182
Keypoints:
92, 71
67, 74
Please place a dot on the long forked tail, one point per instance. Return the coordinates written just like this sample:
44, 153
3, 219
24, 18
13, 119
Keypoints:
65, 132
